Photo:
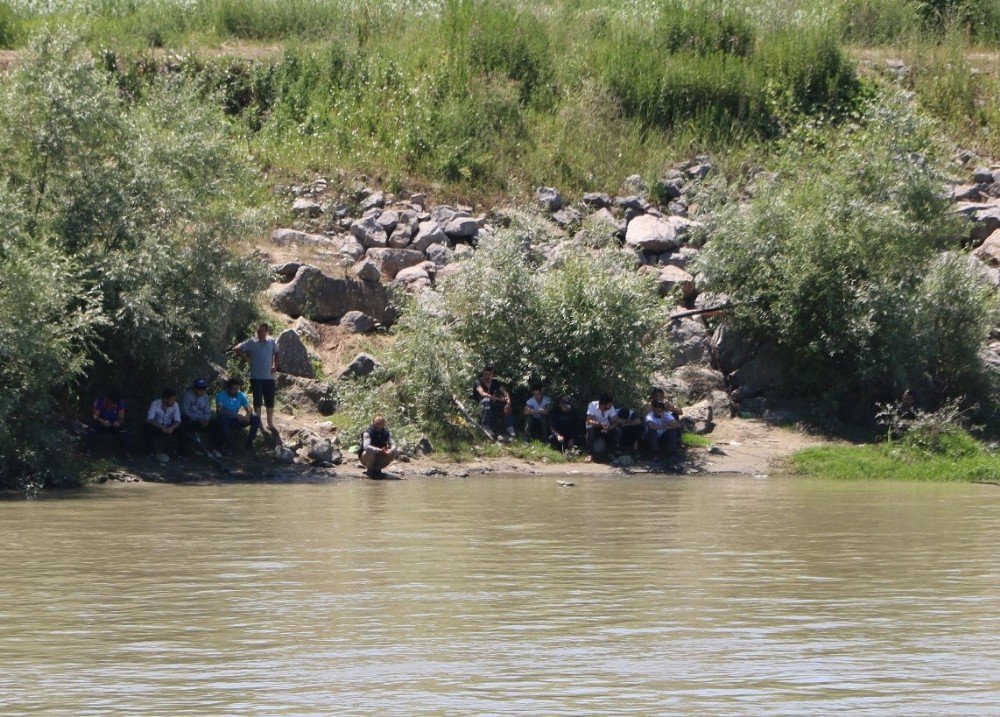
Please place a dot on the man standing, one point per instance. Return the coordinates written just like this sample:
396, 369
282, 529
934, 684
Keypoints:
163, 419
228, 406
196, 411
377, 448
262, 353
602, 423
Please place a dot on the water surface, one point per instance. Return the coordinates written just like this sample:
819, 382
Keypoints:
504, 595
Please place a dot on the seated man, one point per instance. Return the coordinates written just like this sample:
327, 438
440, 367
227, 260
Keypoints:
663, 431
228, 417
536, 411
632, 427
602, 423
108, 419
493, 397
196, 411
377, 448
163, 422
564, 426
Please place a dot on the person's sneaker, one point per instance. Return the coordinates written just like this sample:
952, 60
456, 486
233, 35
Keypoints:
511, 434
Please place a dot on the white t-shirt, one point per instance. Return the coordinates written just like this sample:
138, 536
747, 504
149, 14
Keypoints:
534, 406
660, 424
602, 417
163, 416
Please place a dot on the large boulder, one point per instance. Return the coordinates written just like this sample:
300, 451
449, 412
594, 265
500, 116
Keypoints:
549, 198
440, 255
760, 374
671, 278
305, 393
985, 217
322, 451
362, 365
294, 357
392, 261
730, 349
428, 234
369, 233
989, 250
303, 207
416, 279
325, 297
656, 234
690, 340
462, 228
357, 322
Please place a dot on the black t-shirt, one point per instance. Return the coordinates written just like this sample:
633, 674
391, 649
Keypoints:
494, 389
565, 423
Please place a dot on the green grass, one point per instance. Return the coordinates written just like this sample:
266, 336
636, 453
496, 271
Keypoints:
893, 461
696, 440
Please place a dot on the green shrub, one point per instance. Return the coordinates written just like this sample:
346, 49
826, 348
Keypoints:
143, 200
10, 27
829, 264
879, 22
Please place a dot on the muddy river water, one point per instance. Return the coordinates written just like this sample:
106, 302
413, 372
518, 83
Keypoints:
708, 595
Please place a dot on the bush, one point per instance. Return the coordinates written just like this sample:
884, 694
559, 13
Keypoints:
830, 265
142, 202
584, 325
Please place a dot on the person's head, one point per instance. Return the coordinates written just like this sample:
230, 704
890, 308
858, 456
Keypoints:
233, 386
489, 370
657, 394
605, 401
199, 386
262, 330
565, 404
378, 423
168, 397
114, 395
658, 407
536, 391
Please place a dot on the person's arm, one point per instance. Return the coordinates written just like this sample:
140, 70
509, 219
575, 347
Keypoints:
151, 415
175, 417
120, 420
96, 412
528, 411
545, 408
481, 390
390, 445
366, 440
275, 360
248, 407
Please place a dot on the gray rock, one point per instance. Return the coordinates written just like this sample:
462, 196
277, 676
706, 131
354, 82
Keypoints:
373, 201
699, 417
323, 451
670, 189
401, 236
418, 200
287, 270
294, 358
327, 297
369, 233
390, 262
306, 394
284, 454
730, 349
966, 193
289, 237
656, 234
671, 278
462, 228
302, 207
985, 217
362, 365
989, 251
632, 202
982, 175
352, 249
416, 279
305, 329
690, 341
428, 234
760, 374
625, 461
567, 217
439, 254
596, 200
388, 220
634, 184
368, 271
549, 199
357, 322
442, 214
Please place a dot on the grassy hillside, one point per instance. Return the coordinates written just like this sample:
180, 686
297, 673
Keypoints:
492, 96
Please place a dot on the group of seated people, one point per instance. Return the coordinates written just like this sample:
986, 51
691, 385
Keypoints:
605, 428
173, 424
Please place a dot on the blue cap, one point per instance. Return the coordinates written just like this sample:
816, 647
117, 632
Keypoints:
200, 383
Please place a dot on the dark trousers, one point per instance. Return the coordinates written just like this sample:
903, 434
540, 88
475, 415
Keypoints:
631, 437
171, 441
263, 390
670, 441
95, 430
536, 428
194, 432
230, 424
611, 437
493, 413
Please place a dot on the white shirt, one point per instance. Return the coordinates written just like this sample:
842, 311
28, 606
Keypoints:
163, 416
604, 418
660, 424
535, 407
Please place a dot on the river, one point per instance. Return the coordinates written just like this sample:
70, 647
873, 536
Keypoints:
720, 595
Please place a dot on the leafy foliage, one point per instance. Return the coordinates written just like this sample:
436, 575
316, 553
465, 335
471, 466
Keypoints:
837, 267
137, 207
